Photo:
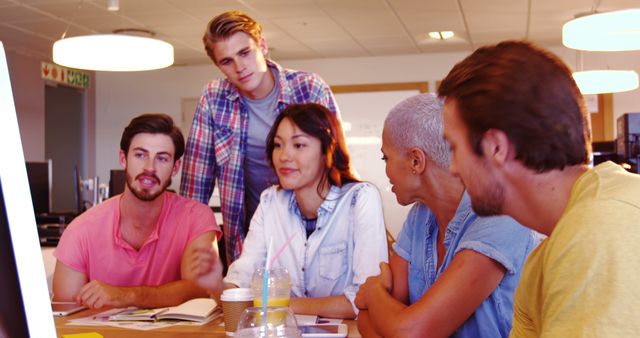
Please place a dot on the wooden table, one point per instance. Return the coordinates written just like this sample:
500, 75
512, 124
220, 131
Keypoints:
212, 329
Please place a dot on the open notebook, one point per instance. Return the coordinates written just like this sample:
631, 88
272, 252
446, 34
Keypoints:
195, 310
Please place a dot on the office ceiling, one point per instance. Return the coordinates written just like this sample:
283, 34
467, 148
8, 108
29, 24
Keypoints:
301, 29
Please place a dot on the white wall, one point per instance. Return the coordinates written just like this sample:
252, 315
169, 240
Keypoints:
28, 95
121, 96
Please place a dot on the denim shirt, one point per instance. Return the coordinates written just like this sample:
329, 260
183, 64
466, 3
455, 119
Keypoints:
499, 238
347, 246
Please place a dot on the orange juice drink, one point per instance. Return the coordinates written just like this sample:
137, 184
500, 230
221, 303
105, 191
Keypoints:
272, 301
273, 318
278, 291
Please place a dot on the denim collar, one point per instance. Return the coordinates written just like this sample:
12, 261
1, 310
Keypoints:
461, 215
327, 205
458, 221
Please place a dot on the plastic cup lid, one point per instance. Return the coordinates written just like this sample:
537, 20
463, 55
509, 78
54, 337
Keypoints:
237, 294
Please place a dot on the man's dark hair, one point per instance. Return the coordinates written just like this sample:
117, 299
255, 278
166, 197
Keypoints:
529, 94
153, 124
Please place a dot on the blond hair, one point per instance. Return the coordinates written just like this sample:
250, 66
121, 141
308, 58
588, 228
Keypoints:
226, 24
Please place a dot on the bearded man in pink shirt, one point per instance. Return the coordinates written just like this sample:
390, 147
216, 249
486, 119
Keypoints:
130, 250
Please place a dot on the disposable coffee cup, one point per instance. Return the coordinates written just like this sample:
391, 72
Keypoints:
234, 301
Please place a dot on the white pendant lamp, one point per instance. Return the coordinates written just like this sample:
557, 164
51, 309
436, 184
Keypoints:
606, 81
609, 31
113, 52
126, 50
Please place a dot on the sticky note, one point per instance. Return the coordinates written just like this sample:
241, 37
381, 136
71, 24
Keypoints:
83, 335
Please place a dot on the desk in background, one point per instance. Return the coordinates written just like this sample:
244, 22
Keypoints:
209, 330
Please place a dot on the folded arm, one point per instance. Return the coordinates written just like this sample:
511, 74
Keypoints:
365, 327
457, 293
331, 306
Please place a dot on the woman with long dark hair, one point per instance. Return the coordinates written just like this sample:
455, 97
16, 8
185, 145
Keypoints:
334, 220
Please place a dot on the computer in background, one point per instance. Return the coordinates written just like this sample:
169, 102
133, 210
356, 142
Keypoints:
25, 308
50, 224
39, 175
628, 141
117, 180
82, 204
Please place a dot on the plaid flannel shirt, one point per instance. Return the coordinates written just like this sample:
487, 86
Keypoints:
217, 144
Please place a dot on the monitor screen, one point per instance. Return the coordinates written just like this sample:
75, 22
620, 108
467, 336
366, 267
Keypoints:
39, 174
12, 320
117, 181
77, 187
24, 301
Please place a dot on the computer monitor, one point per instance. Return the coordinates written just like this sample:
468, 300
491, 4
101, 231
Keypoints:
12, 320
77, 188
39, 175
628, 141
117, 181
25, 309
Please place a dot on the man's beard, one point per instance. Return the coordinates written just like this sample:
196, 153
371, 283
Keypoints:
143, 194
491, 202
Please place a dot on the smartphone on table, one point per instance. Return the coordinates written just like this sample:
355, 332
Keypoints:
324, 330
66, 308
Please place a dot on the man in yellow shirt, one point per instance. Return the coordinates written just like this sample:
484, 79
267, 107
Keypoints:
520, 140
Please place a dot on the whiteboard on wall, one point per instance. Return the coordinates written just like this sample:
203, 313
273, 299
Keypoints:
363, 115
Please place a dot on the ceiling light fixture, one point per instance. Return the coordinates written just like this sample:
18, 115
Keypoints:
606, 81
441, 35
116, 52
608, 31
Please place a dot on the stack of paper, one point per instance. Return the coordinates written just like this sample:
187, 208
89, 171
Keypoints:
195, 310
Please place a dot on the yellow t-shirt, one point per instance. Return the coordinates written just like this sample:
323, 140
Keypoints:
584, 280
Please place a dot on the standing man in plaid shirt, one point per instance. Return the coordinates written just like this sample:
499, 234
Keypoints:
227, 141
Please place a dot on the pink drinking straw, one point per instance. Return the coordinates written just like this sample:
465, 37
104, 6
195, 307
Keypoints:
281, 250
267, 266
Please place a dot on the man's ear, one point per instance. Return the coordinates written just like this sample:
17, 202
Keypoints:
123, 159
264, 47
496, 146
176, 167
418, 160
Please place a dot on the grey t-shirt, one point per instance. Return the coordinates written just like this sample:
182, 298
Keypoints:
258, 174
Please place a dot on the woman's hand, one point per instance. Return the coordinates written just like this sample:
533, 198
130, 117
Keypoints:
383, 280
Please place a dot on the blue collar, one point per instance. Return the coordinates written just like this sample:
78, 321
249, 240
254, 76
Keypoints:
457, 223
327, 205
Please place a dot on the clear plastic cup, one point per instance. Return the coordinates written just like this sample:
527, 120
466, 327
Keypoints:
278, 287
280, 322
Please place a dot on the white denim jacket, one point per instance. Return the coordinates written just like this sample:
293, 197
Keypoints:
347, 246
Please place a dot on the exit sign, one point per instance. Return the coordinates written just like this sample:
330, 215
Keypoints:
66, 76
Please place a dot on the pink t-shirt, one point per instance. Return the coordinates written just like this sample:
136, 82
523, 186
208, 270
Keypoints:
92, 243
